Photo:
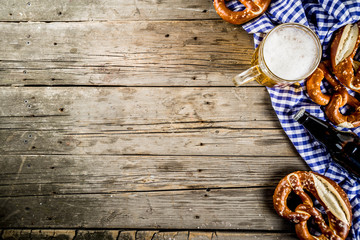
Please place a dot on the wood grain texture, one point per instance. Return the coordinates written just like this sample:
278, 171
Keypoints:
106, 10
238, 209
146, 235
56, 234
97, 121
49, 175
69, 108
18, 234
171, 235
98, 234
11, 234
122, 115
141, 105
127, 235
175, 53
251, 236
200, 236
244, 142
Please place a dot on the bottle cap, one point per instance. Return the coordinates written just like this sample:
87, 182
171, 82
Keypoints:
299, 114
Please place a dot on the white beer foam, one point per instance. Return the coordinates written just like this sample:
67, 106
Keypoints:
290, 53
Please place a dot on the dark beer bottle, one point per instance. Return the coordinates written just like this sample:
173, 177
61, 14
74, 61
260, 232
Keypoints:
344, 147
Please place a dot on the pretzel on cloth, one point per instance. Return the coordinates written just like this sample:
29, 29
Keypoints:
342, 51
327, 192
335, 116
253, 9
334, 102
313, 84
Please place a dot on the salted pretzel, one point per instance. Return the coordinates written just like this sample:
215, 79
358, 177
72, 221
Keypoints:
313, 84
335, 116
330, 196
334, 102
342, 51
253, 9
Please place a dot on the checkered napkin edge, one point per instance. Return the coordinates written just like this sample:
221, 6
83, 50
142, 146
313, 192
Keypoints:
324, 17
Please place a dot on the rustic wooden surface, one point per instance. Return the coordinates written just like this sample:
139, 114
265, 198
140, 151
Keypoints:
119, 120
50, 234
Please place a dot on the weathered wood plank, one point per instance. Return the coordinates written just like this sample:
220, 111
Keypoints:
107, 108
48, 175
109, 10
243, 142
42, 234
113, 43
19, 234
96, 235
182, 123
145, 235
176, 53
138, 105
52, 234
251, 236
200, 236
241, 209
127, 235
134, 110
171, 235
64, 234
11, 234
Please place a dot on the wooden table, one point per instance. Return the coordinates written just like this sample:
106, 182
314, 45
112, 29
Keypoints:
119, 120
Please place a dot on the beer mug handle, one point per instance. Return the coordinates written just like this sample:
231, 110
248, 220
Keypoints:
247, 76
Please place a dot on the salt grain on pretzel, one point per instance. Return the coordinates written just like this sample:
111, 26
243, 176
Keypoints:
327, 192
253, 9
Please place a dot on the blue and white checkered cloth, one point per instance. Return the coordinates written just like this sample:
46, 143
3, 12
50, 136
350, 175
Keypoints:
323, 17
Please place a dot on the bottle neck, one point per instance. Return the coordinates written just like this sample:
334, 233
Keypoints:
344, 147
321, 130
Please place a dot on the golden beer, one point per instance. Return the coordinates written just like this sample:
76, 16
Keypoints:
288, 54
262, 78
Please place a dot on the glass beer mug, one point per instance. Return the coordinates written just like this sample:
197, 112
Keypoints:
289, 53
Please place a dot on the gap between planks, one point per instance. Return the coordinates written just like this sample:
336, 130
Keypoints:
116, 21
209, 189
120, 86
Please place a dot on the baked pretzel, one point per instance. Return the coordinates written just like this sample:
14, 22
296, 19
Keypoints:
342, 51
253, 9
335, 116
330, 196
313, 84
334, 102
